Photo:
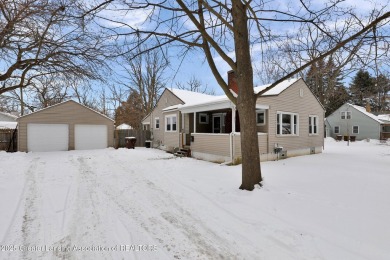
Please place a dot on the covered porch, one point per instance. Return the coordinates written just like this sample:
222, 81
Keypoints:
212, 131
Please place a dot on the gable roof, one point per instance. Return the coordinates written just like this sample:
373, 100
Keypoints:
279, 88
364, 111
62, 103
191, 97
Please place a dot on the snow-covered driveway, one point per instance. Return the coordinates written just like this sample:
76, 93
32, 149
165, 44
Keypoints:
145, 204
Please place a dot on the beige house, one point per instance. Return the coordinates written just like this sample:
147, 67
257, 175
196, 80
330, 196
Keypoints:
65, 126
289, 119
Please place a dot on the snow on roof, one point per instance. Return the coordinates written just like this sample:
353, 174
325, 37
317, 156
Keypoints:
364, 111
123, 127
8, 125
9, 115
190, 97
385, 117
279, 88
196, 99
211, 100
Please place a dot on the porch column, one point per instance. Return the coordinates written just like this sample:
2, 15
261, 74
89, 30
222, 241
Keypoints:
233, 119
182, 123
194, 122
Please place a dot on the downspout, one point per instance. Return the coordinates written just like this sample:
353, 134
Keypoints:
231, 147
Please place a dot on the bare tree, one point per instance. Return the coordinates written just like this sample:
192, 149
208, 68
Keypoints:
145, 75
195, 85
235, 30
42, 37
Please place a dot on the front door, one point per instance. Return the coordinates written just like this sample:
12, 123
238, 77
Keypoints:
217, 126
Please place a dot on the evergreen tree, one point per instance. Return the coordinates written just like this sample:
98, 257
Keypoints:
362, 88
382, 87
325, 81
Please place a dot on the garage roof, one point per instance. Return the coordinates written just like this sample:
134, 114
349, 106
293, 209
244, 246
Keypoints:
59, 104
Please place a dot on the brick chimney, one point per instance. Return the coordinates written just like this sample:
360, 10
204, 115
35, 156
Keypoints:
368, 107
232, 83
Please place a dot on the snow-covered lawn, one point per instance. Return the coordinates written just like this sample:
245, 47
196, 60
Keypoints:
144, 204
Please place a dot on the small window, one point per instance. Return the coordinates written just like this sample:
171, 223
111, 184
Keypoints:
337, 129
313, 125
170, 123
346, 115
260, 117
355, 129
203, 118
156, 123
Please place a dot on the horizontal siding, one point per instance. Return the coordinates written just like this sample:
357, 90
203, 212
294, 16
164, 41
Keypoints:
171, 140
262, 144
167, 99
217, 144
368, 127
291, 101
70, 113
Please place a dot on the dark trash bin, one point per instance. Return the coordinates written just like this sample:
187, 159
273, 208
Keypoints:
148, 144
353, 138
339, 137
130, 142
346, 137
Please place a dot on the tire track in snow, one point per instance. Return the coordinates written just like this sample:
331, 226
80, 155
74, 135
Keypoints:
188, 236
19, 203
85, 227
32, 232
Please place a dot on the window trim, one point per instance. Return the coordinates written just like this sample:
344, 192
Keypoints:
204, 115
170, 117
294, 124
260, 112
334, 129
155, 123
345, 115
358, 129
313, 127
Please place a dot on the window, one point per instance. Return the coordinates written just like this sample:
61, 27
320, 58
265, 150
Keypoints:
170, 123
156, 123
287, 123
313, 125
355, 129
346, 115
260, 117
203, 118
337, 129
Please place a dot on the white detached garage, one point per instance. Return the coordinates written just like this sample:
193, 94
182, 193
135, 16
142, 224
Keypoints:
65, 126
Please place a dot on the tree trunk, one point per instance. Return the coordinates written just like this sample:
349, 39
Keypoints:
246, 100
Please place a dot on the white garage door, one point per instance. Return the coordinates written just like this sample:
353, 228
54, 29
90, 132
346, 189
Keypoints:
47, 137
90, 137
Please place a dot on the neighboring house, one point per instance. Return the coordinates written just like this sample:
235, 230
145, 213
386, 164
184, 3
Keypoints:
124, 127
7, 121
65, 126
353, 120
288, 116
8, 126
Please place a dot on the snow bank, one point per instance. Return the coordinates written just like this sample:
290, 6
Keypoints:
108, 203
